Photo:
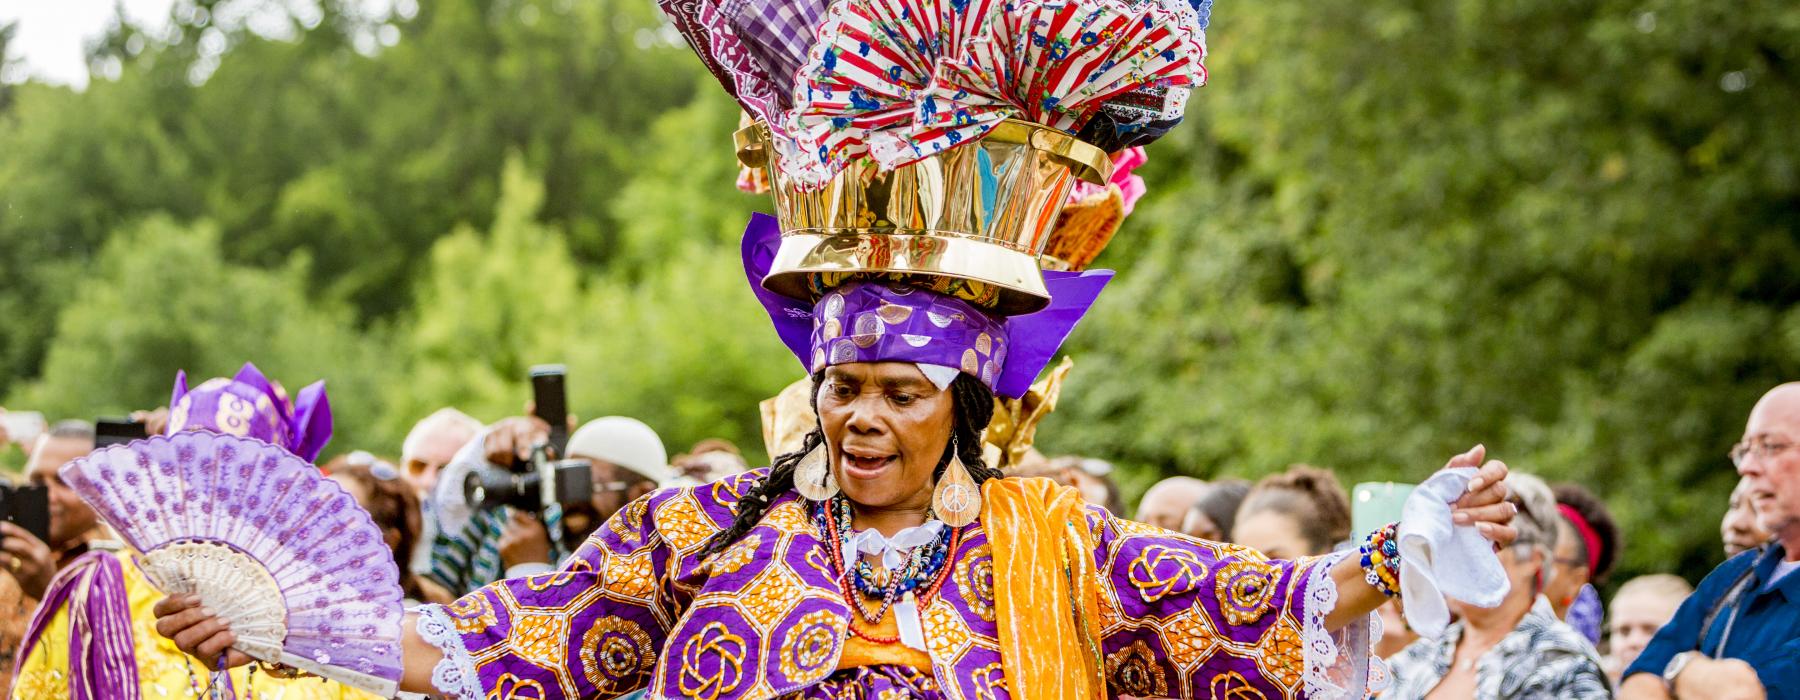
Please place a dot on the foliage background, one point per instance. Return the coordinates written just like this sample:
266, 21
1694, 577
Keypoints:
1390, 229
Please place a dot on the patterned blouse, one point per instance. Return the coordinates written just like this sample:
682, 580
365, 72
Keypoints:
1543, 658
636, 607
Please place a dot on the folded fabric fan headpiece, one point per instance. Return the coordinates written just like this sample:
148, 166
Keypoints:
932, 143
252, 405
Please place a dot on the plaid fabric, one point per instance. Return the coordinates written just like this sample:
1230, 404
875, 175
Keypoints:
778, 33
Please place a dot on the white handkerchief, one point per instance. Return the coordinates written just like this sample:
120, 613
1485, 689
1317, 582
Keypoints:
1440, 560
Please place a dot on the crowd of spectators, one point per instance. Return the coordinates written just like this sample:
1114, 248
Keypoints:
1735, 635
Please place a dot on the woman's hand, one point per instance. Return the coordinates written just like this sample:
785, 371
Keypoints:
1485, 505
197, 632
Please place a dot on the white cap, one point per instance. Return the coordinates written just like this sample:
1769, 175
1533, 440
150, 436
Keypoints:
626, 442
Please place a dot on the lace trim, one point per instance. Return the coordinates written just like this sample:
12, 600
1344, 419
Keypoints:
454, 676
1329, 674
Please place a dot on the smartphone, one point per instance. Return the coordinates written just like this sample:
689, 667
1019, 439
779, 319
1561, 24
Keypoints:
23, 427
28, 507
1374, 504
116, 431
551, 401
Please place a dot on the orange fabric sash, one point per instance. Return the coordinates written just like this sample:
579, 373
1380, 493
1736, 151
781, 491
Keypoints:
1046, 596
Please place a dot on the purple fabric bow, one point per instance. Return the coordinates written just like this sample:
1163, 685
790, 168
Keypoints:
251, 405
866, 321
102, 660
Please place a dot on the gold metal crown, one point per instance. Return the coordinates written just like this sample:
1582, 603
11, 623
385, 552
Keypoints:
970, 222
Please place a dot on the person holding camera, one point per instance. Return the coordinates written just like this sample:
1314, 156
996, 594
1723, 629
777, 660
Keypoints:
624, 459
28, 562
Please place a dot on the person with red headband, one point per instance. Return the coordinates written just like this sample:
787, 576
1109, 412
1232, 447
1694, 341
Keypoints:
1587, 545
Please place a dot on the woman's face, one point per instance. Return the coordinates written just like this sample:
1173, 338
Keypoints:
1271, 532
887, 427
1739, 528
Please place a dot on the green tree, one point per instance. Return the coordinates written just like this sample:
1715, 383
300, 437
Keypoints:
1423, 226
161, 298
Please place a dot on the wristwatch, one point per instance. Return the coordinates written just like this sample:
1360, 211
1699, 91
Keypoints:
1674, 669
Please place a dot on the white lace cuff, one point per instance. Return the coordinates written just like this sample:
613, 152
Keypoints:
454, 676
1338, 664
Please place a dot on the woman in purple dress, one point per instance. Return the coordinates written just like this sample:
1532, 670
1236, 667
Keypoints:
885, 560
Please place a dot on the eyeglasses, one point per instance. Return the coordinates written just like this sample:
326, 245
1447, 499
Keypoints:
1760, 449
601, 487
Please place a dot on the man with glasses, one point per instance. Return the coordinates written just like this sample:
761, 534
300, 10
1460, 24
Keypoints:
1738, 635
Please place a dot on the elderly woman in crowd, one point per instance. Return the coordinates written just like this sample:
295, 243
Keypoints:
1518, 650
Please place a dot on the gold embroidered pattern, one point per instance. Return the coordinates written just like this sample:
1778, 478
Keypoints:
787, 518
735, 556
1233, 686
1190, 639
1134, 671
987, 680
628, 524
1245, 589
1132, 527
632, 577
975, 581
806, 652
1159, 572
544, 582
682, 523
712, 663
616, 655
728, 490
511, 687
770, 596
946, 635
539, 639
1280, 657
820, 561
473, 614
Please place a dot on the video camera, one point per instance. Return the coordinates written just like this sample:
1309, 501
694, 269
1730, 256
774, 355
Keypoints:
534, 484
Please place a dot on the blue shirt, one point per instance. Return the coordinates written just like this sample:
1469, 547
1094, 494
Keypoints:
1766, 631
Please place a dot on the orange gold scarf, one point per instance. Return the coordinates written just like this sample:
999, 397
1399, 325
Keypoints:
1046, 597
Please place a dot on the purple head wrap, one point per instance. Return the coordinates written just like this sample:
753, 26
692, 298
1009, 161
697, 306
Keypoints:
873, 321
251, 405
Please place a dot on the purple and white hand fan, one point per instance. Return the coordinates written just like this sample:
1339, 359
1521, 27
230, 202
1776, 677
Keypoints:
269, 543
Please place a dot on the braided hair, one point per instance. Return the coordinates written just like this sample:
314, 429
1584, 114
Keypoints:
973, 406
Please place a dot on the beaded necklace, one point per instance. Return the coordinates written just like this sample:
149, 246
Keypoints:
926, 566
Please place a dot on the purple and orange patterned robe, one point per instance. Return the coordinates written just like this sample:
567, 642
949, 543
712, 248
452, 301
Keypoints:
636, 607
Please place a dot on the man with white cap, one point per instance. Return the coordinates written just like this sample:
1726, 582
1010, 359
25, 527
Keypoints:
628, 460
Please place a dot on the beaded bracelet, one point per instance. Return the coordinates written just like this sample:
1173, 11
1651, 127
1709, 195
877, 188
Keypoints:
1381, 560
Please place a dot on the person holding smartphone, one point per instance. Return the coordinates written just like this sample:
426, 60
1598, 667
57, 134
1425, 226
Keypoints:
28, 562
